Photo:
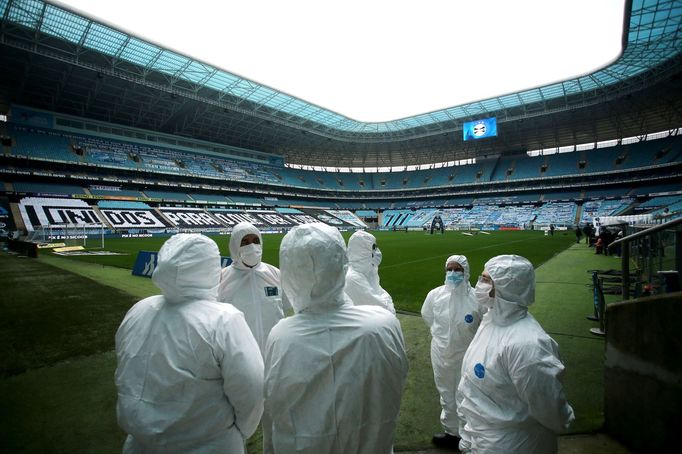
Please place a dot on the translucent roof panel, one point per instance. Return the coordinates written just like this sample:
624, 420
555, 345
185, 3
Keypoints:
652, 38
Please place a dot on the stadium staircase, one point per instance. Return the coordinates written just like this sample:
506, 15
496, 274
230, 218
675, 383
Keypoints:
494, 169
663, 158
102, 217
579, 212
579, 209
18, 219
545, 165
630, 209
6, 149
163, 216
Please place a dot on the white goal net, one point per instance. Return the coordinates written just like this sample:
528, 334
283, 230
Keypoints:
86, 235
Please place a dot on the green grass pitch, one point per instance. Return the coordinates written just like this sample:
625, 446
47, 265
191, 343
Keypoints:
413, 262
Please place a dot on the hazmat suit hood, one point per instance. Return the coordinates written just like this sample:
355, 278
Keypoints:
188, 268
238, 233
462, 260
361, 251
313, 266
514, 279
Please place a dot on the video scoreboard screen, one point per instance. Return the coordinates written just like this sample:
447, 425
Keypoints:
480, 129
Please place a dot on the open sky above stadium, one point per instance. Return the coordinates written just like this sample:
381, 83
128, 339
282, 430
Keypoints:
382, 60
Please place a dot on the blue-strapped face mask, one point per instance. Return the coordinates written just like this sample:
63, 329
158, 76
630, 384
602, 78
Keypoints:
454, 278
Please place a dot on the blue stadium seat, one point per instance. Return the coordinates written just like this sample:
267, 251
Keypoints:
115, 192
47, 188
208, 197
40, 144
167, 195
121, 204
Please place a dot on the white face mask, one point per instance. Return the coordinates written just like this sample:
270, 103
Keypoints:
482, 292
454, 278
251, 254
376, 259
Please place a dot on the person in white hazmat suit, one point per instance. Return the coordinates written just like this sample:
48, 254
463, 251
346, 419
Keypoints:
362, 278
252, 286
189, 375
453, 315
510, 394
335, 372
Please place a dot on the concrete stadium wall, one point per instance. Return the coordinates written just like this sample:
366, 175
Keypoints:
643, 372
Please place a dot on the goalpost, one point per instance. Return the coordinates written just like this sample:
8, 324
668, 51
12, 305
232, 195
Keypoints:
70, 234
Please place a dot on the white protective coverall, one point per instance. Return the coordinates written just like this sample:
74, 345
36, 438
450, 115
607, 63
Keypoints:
335, 372
362, 278
510, 394
189, 375
255, 291
453, 315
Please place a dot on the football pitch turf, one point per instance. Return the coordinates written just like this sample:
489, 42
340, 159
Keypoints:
58, 317
413, 262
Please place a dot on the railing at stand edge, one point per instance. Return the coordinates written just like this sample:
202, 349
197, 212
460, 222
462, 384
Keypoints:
625, 251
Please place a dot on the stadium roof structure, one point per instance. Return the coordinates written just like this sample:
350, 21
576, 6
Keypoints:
63, 61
